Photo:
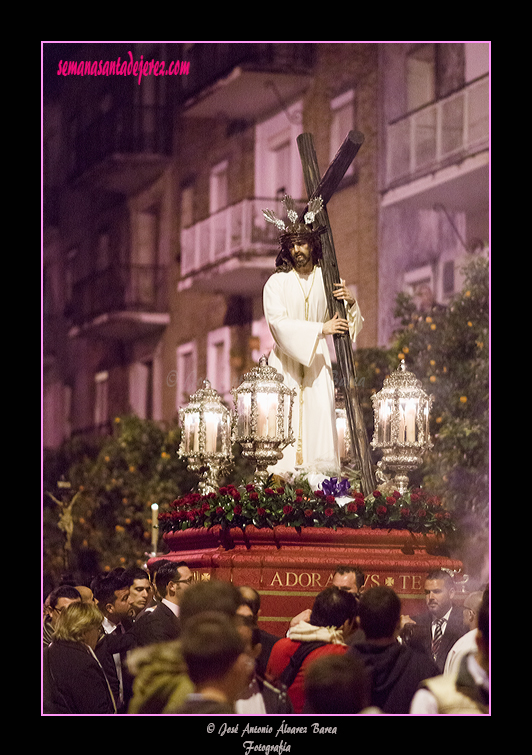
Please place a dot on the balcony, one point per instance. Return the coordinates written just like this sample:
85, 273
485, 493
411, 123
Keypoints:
439, 137
232, 251
124, 149
121, 302
242, 81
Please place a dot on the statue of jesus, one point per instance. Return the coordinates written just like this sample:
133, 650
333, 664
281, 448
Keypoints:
295, 308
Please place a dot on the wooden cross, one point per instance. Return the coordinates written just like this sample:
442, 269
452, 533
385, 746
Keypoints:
325, 188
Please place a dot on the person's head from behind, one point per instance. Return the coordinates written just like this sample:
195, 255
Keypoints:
336, 684
334, 608
215, 654
79, 622
211, 595
59, 599
379, 612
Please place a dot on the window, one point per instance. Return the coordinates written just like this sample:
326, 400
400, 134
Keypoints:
101, 409
218, 194
186, 378
218, 360
141, 389
419, 284
277, 163
420, 77
342, 122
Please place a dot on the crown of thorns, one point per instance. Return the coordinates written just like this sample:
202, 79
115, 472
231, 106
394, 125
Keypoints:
295, 228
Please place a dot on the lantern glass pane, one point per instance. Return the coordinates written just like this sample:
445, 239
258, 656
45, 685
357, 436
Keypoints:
266, 415
192, 420
243, 425
385, 424
213, 432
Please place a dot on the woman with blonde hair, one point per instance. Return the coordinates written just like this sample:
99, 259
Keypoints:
73, 678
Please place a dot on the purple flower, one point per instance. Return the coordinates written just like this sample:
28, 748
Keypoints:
335, 488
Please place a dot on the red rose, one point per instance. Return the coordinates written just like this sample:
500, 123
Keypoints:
329, 512
219, 510
382, 510
235, 494
352, 508
237, 509
269, 491
361, 505
260, 511
390, 500
298, 499
280, 491
359, 495
330, 499
250, 488
422, 513
309, 513
396, 494
191, 515
254, 496
223, 491
287, 509
405, 512
377, 493
299, 491
414, 498
319, 494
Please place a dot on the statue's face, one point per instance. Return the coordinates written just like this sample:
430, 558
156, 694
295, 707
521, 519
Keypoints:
301, 254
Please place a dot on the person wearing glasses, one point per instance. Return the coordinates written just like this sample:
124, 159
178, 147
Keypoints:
58, 599
163, 623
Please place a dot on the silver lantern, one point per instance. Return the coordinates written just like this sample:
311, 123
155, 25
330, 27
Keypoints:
262, 421
206, 436
401, 424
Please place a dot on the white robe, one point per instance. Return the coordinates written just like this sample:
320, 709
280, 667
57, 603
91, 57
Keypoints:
301, 355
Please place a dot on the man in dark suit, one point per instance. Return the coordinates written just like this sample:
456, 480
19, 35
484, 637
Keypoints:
162, 624
436, 631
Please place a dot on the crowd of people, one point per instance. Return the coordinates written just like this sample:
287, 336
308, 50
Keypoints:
156, 642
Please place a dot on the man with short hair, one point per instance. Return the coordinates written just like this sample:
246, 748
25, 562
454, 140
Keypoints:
163, 624
217, 663
436, 631
465, 691
349, 578
139, 589
395, 670
111, 593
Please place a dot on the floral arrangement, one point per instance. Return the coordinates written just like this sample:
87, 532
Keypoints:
332, 505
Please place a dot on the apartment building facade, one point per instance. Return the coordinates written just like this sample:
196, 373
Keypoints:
434, 179
155, 250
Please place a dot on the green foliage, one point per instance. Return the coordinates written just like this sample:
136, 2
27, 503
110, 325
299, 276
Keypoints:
447, 349
120, 477
300, 506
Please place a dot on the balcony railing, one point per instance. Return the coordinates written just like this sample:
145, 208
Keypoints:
120, 288
134, 130
214, 60
233, 231
439, 134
